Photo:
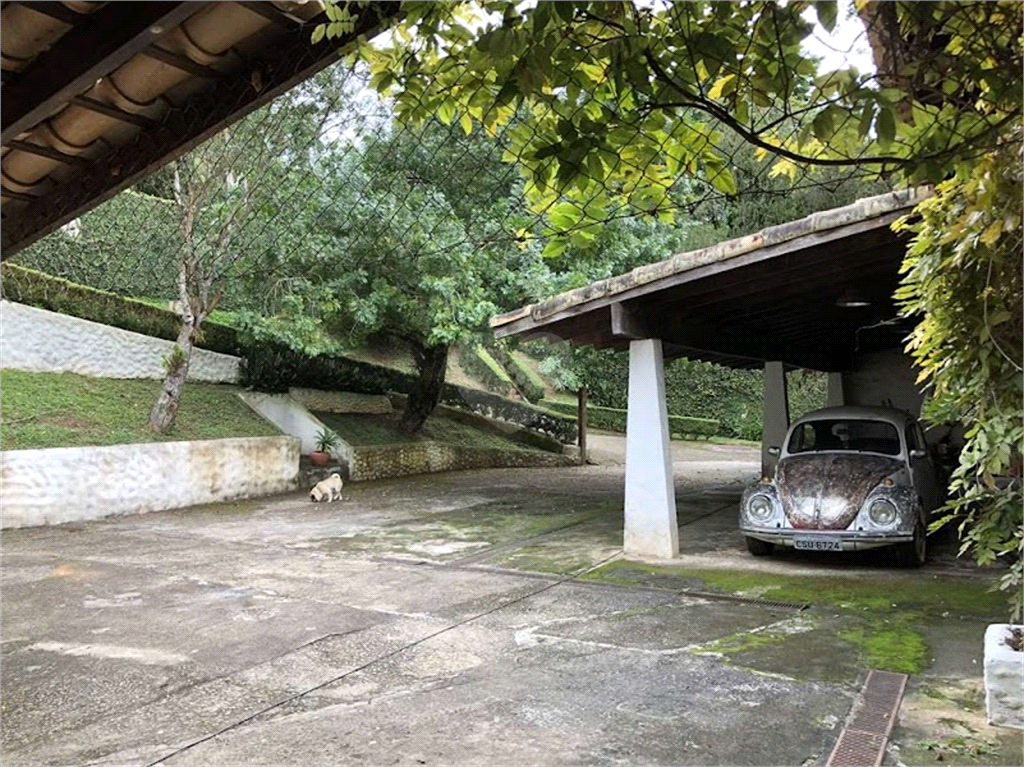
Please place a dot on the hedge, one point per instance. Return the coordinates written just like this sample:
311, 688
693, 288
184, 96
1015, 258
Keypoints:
526, 381
482, 366
613, 419
732, 397
44, 291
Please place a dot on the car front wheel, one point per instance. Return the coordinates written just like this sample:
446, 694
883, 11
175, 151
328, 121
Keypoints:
759, 548
915, 553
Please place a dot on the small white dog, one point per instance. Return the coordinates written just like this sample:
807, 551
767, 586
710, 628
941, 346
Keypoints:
329, 489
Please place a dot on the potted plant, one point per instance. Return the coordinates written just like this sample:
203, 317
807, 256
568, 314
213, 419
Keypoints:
326, 441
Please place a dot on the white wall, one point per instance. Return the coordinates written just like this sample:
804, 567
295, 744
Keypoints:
66, 484
46, 342
292, 418
883, 378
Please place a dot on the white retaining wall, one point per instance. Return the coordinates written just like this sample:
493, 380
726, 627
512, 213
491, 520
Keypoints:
67, 484
47, 342
292, 418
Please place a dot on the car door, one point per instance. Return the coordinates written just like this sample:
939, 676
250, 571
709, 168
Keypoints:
922, 468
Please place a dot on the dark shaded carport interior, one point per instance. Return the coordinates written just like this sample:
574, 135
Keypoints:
73, 135
771, 296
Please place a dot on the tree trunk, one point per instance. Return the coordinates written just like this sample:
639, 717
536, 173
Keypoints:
165, 410
432, 363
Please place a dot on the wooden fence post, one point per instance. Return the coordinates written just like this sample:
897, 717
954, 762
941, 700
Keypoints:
581, 422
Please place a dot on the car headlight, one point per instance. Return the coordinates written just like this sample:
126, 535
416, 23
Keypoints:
760, 508
882, 512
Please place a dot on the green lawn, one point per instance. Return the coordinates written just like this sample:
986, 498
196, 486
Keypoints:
67, 410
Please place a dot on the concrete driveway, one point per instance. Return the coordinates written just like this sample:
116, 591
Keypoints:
457, 618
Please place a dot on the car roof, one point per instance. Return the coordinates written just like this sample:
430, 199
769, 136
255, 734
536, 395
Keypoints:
893, 415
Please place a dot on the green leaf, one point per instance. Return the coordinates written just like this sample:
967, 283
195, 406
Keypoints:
822, 125
991, 234
564, 215
866, 118
542, 15
318, 33
500, 43
724, 182
723, 87
447, 111
827, 11
885, 125
555, 247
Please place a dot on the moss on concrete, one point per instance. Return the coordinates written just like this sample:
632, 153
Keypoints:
540, 559
891, 643
882, 624
907, 592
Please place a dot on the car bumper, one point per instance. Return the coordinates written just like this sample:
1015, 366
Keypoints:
849, 540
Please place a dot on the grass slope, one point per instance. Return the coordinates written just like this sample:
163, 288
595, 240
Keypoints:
67, 410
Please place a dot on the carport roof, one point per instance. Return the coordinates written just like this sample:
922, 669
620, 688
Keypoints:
773, 295
97, 95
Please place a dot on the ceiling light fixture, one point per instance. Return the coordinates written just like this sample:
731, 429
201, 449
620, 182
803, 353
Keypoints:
852, 299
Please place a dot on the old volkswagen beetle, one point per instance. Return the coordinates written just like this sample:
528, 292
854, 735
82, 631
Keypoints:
848, 478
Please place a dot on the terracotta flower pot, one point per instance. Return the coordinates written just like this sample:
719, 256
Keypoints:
320, 458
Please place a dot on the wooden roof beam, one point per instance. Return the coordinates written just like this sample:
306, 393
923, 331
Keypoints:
100, 44
228, 100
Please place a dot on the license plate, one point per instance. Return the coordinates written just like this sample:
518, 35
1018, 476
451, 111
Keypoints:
809, 543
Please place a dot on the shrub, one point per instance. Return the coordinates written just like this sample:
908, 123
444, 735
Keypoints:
482, 366
44, 291
614, 419
529, 383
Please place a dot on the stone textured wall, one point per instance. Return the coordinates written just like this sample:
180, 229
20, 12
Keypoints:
67, 484
341, 401
426, 457
46, 342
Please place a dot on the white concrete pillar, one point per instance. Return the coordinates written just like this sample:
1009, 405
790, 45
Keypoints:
834, 398
651, 528
776, 414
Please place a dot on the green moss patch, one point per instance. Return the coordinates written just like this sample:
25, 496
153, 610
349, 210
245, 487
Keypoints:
892, 591
891, 643
880, 619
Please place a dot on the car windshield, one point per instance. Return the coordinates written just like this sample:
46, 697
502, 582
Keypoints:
845, 434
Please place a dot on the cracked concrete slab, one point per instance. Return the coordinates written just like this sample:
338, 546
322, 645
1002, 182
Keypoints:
424, 620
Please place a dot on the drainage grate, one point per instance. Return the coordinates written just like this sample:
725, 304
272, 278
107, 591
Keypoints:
857, 749
744, 600
862, 741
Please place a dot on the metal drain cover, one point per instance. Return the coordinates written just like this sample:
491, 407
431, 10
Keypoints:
862, 741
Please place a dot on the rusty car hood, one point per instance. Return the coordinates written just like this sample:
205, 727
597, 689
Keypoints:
824, 491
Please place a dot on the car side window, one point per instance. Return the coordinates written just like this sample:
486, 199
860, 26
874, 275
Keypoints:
803, 439
920, 437
913, 441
